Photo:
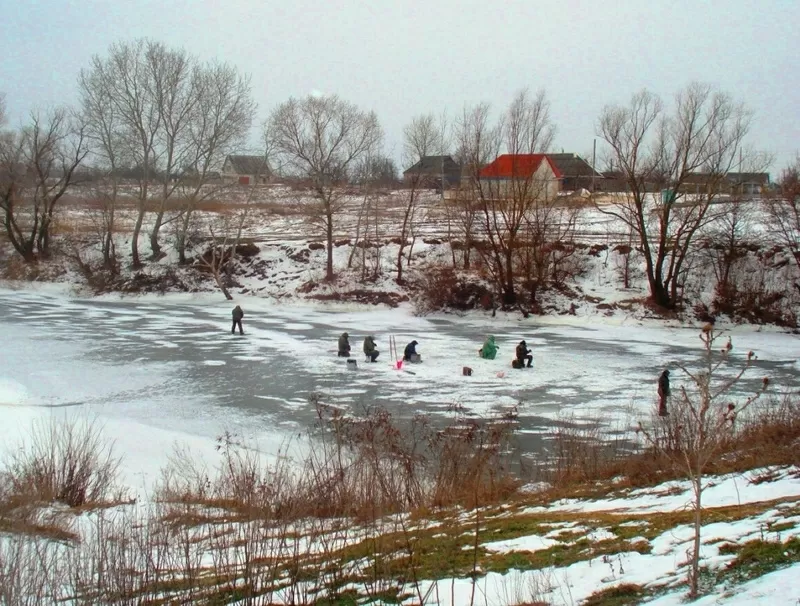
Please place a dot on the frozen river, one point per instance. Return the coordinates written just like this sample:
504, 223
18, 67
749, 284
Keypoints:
171, 366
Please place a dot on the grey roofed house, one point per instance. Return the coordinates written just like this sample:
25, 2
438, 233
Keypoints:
246, 169
747, 184
430, 169
577, 172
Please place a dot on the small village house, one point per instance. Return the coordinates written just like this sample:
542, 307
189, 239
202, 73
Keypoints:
537, 172
431, 171
576, 173
246, 170
744, 185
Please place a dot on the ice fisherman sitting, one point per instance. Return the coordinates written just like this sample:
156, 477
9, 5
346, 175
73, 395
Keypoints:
489, 349
370, 350
410, 354
344, 346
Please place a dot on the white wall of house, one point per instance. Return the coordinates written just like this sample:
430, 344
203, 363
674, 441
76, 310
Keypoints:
543, 184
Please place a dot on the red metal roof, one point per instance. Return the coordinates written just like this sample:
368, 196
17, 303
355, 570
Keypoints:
520, 166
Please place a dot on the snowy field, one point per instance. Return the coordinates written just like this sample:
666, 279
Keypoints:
662, 563
164, 370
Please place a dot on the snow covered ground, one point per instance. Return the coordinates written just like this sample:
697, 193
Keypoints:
657, 563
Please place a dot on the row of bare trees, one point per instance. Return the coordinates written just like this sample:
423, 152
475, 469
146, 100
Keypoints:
163, 117
169, 115
147, 111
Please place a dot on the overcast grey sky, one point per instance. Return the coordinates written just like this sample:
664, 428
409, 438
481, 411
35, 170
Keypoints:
402, 58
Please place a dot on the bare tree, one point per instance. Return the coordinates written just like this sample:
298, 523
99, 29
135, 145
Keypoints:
225, 233
127, 85
783, 213
174, 119
37, 166
174, 76
724, 245
320, 140
656, 151
223, 116
700, 424
103, 121
423, 136
505, 204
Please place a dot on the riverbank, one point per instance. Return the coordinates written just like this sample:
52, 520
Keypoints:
597, 274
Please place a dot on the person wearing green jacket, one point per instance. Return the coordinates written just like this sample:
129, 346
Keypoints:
489, 349
369, 348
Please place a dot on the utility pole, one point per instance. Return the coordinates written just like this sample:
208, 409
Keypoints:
441, 160
594, 160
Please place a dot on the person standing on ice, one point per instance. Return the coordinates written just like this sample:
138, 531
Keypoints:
663, 393
369, 348
344, 345
524, 355
237, 314
410, 353
489, 349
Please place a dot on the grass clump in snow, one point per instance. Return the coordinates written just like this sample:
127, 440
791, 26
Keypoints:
620, 595
757, 558
66, 462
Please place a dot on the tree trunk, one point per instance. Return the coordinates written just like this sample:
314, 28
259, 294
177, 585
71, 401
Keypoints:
137, 229
154, 245
329, 244
694, 572
220, 282
399, 278
508, 287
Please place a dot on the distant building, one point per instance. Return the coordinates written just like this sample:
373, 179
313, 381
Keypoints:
734, 184
430, 171
576, 173
246, 170
747, 184
538, 169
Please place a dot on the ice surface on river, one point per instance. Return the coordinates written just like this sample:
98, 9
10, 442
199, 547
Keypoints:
158, 370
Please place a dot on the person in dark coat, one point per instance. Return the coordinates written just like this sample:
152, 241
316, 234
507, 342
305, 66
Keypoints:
369, 349
344, 346
237, 315
411, 350
524, 355
663, 393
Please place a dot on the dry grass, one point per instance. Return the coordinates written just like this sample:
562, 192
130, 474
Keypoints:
63, 462
582, 459
352, 509
356, 466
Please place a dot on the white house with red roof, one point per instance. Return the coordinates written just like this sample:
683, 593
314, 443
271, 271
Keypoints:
533, 175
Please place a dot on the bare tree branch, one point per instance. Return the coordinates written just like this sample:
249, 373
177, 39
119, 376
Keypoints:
321, 139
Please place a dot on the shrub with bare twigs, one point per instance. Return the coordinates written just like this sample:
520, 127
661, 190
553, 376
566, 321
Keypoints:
68, 462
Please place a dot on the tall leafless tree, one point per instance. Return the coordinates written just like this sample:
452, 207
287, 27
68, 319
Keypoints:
223, 115
128, 86
174, 120
505, 205
423, 136
109, 154
660, 151
783, 213
174, 76
320, 140
37, 166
